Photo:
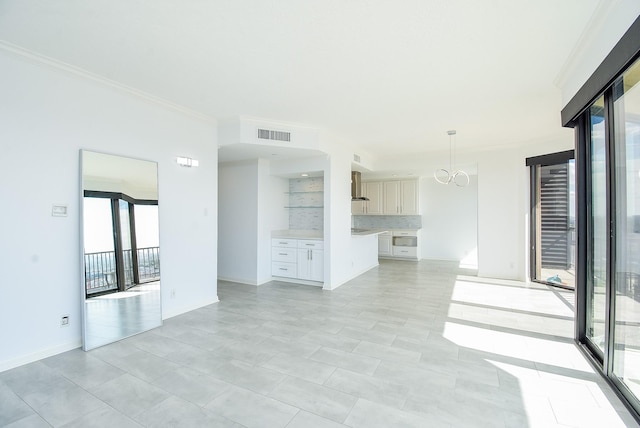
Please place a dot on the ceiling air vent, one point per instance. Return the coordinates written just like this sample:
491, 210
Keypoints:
267, 134
356, 158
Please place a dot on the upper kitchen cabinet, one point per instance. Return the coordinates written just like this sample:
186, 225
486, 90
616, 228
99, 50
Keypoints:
373, 191
400, 197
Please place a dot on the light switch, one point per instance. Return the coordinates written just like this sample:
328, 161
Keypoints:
58, 210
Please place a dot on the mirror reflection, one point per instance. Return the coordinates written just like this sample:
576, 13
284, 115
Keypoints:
121, 248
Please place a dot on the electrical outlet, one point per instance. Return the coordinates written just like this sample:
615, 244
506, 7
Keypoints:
64, 321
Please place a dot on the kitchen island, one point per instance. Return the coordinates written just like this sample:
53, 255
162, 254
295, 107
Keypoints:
364, 250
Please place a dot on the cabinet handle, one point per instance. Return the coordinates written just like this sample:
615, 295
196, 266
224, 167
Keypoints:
283, 243
282, 254
310, 245
283, 269
310, 255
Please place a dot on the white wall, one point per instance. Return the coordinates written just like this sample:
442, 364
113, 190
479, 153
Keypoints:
338, 198
449, 220
47, 115
251, 204
238, 221
502, 195
272, 215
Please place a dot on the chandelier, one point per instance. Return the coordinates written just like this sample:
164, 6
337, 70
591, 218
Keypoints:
451, 175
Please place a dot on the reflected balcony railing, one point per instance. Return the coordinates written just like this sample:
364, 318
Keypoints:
100, 269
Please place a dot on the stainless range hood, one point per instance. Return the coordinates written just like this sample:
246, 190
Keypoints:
356, 187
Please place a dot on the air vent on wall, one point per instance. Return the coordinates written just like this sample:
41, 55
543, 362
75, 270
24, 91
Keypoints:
356, 158
267, 134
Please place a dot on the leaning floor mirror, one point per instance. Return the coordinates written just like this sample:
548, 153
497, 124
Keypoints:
121, 248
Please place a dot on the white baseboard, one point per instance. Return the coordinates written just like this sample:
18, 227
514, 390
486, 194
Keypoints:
350, 277
241, 281
183, 310
39, 355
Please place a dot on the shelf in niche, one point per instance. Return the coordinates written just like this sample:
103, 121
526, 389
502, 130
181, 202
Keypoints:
315, 206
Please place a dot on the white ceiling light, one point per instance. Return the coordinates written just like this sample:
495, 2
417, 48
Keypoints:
446, 176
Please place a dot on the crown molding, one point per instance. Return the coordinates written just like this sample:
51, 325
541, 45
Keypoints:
586, 39
38, 58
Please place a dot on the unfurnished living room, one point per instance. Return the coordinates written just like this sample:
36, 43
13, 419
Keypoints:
344, 213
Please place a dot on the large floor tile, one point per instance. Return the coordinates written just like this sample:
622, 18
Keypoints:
317, 399
302, 368
367, 414
12, 407
175, 412
346, 360
251, 409
62, 403
130, 395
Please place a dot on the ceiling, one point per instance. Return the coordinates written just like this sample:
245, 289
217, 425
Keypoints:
391, 77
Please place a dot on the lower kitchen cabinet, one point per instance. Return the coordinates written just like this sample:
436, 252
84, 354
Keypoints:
311, 264
298, 259
384, 244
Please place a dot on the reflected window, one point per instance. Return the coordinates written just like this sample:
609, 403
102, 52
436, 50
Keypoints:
121, 242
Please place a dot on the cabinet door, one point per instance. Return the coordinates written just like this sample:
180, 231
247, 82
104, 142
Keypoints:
316, 265
409, 197
304, 265
357, 207
384, 246
391, 203
373, 191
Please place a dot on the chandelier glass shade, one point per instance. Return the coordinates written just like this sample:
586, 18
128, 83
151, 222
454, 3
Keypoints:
451, 175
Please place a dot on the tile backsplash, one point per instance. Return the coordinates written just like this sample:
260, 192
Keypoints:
387, 221
306, 201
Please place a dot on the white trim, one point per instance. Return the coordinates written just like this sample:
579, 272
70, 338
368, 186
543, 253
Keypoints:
352, 276
39, 355
80, 72
297, 281
186, 309
242, 281
585, 41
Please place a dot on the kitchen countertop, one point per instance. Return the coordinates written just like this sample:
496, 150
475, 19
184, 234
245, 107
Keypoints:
367, 232
297, 234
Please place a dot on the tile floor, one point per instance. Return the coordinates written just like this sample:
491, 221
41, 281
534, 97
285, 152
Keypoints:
404, 345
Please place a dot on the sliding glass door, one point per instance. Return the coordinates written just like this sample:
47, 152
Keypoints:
605, 113
626, 196
609, 296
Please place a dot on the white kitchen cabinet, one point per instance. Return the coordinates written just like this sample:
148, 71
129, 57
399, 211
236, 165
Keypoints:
400, 197
310, 264
373, 191
358, 207
298, 259
409, 197
384, 244
284, 258
408, 252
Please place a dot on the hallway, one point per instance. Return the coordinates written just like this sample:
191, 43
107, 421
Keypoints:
404, 345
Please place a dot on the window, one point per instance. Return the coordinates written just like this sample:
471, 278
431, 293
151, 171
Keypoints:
553, 219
